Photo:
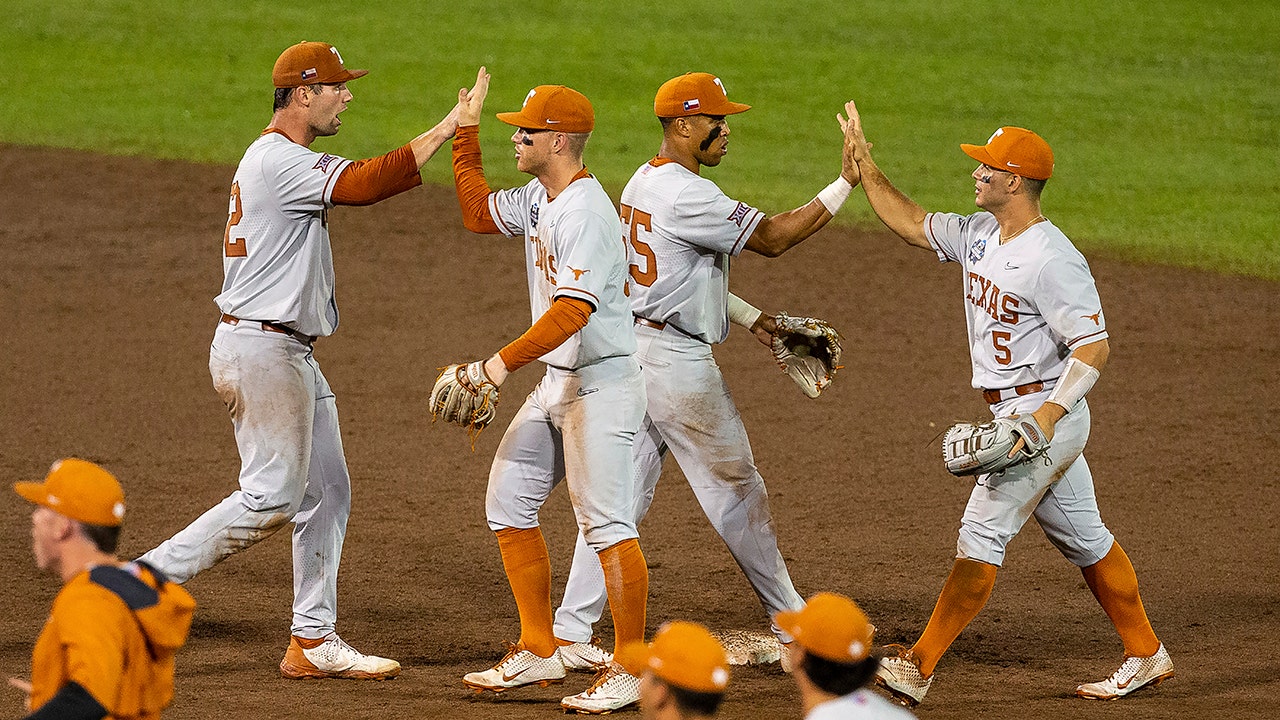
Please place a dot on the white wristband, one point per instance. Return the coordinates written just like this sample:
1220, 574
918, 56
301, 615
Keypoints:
1076, 381
834, 195
742, 313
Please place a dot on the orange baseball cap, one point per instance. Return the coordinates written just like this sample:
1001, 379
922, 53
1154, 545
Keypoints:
830, 626
553, 107
1016, 150
695, 93
80, 490
683, 654
308, 63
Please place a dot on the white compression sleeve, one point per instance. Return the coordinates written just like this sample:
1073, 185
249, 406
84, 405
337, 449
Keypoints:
1076, 381
742, 313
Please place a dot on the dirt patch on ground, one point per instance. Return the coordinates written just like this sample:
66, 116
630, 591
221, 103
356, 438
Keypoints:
110, 266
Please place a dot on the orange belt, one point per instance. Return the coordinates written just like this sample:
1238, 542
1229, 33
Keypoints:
994, 396
649, 323
272, 327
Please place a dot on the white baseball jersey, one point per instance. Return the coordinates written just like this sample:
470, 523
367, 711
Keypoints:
683, 229
1029, 302
277, 262
572, 250
860, 704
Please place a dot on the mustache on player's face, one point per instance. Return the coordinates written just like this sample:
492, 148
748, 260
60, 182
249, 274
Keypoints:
711, 137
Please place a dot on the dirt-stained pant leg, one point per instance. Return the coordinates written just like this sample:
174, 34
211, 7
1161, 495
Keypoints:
693, 414
320, 526
268, 386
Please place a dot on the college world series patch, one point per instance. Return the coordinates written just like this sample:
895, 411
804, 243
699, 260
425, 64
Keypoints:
977, 249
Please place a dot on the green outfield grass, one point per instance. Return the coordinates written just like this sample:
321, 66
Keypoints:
1165, 116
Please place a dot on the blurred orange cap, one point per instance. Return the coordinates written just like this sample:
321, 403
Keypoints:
830, 626
683, 654
308, 63
80, 490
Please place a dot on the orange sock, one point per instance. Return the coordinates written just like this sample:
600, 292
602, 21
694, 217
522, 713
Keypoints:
626, 580
524, 556
963, 594
1115, 585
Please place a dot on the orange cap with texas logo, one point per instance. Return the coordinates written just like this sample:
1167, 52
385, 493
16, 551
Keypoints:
308, 63
1016, 150
695, 93
80, 490
553, 107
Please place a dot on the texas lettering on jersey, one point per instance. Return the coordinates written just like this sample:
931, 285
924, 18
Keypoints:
1002, 307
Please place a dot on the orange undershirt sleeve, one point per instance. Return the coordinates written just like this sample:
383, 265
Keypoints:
566, 317
365, 182
468, 177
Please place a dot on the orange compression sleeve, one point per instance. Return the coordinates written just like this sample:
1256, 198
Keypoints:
468, 177
365, 182
566, 317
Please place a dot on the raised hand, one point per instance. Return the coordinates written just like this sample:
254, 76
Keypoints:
471, 102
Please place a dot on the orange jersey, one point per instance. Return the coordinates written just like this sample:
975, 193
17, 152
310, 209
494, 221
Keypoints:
114, 633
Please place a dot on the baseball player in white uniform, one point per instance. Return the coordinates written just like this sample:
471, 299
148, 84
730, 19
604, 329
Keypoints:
683, 231
277, 299
1037, 340
579, 423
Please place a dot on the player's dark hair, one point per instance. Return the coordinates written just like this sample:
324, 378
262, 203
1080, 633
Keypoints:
666, 123
691, 702
1034, 187
838, 678
282, 99
105, 538
284, 96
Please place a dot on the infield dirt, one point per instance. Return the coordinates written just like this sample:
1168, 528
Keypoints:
110, 266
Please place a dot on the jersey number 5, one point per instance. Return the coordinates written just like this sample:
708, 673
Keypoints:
232, 244
1000, 341
634, 220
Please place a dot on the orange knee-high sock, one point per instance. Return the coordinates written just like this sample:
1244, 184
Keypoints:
626, 580
963, 594
1115, 585
524, 556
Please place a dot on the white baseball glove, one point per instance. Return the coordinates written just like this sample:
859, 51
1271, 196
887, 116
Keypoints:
969, 449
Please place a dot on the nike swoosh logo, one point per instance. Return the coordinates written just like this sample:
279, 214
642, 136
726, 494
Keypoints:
1012, 164
509, 678
552, 122
1010, 266
583, 392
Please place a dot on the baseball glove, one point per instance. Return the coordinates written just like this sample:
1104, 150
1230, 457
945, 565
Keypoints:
969, 449
465, 396
808, 351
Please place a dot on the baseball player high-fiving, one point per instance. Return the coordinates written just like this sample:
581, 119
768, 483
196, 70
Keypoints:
277, 299
579, 423
683, 230
1037, 342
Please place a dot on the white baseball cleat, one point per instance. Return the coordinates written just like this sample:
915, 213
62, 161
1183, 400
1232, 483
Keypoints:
613, 689
519, 667
585, 656
334, 659
900, 675
1134, 674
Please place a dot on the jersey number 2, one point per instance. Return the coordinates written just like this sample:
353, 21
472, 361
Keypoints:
233, 245
635, 219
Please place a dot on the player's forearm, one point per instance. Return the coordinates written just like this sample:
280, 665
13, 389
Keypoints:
778, 234
365, 182
428, 143
897, 211
565, 317
468, 178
